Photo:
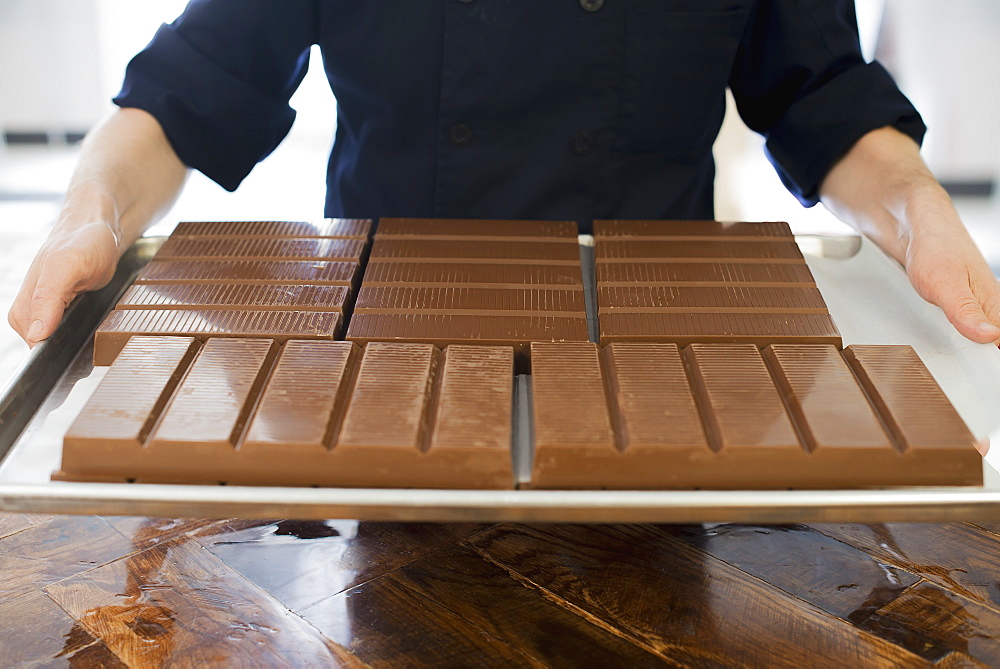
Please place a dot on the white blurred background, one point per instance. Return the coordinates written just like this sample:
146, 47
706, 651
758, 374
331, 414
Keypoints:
61, 61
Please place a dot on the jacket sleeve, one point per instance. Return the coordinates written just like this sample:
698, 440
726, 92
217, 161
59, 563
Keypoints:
218, 79
800, 80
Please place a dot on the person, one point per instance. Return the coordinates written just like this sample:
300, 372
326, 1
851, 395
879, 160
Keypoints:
566, 109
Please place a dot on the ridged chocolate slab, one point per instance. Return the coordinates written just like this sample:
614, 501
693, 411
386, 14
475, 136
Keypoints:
277, 297
704, 274
343, 228
479, 275
921, 419
742, 408
472, 251
691, 299
281, 326
300, 409
264, 248
573, 432
111, 429
749, 231
713, 250
415, 228
516, 331
204, 421
682, 329
318, 273
459, 299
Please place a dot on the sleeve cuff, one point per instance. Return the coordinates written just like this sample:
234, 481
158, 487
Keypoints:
820, 128
217, 123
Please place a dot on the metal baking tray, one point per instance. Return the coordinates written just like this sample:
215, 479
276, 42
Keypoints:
867, 293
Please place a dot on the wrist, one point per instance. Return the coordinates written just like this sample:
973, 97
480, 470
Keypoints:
86, 207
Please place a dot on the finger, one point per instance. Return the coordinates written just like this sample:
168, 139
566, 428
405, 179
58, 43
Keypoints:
954, 294
56, 287
20, 310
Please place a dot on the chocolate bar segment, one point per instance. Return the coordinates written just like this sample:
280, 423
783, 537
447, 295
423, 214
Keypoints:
258, 297
677, 230
474, 250
478, 275
205, 418
694, 299
241, 271
714, 250
107, 437
342, 228
719, 274
471, 301
573, 433
443, 228
917, 413
120, 325
260, 249
720, 328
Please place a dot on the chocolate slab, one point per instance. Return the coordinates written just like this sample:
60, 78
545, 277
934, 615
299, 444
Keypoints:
677, 230
107, 436
477, 275
276, 297
714, 250
320, 273
471, 301
204, 421
438, 228
516, 331
120, 325
574, 438
219, 248
410, 422
704, 274
682, 329
337, 228
693, 299
472, 251
917, 413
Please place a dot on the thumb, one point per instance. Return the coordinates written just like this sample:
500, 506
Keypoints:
964, 309
55, 289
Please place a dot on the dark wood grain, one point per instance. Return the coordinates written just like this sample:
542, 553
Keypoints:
175, 604
386, 624
993, 527
302, 562
13, 522
680, 602
959, 557
540, 625
146, 532
35, 631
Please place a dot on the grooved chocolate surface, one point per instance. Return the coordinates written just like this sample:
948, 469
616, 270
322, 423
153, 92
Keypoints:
442, 329
691, 299
914, 407
235, 296
213, 402
242, 271
357, 228
474, 407
690, 229
688, 328
705, 273
402, 299
478, 229
208, 248
474, 275
469, 251
116, 329
742, 407
303, 403
721, 250
121, 412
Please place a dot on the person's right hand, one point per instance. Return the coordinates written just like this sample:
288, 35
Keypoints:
71, 261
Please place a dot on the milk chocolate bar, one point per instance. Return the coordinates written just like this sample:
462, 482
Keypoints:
717, 274
474, 250
258, 297
334, 228
691, 230
261, 248
720, 328
319, 273
121, 325
694, 299
482, 230
477, 275
468, 301
714, 250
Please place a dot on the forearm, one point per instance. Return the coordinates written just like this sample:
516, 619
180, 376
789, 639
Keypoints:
126, 177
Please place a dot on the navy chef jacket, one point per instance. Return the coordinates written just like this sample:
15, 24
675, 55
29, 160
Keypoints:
537, 109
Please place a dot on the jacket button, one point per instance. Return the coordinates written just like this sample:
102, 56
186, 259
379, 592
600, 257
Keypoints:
591, 5
459, 134
581, 144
